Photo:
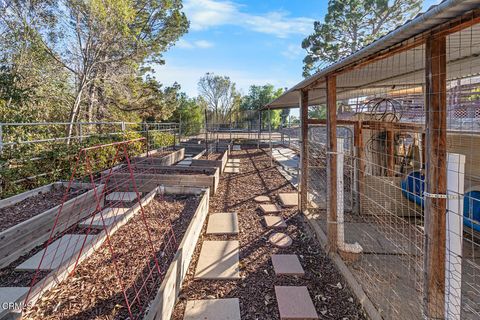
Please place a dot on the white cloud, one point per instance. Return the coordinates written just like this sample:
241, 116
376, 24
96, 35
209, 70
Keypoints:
201, 44
204, 14
293, 51
188, 77
204, 44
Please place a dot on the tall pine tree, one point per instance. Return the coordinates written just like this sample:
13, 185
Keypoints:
349, 25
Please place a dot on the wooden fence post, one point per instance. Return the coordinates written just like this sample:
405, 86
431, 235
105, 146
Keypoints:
332, 163
435, 180
304, 150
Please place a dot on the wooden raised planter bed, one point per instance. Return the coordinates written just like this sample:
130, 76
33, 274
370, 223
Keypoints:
59, 274
148, 177
162, 306
26, 235
221, 163
196, 148
166, 160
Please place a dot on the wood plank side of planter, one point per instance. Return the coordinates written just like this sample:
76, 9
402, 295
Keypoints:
162, 305
61, 273
166, 160
24, 195
146, 182
225, 158
212, 163
21, 238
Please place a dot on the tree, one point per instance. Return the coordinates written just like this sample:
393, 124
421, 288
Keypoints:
145, 97
258, 97
97, 41
349, 25
219, 94
189, 114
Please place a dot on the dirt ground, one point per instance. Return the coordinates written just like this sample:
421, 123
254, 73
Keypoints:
98, 286
255, 290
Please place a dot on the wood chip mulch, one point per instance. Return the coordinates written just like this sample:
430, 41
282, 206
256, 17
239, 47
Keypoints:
236, 192
30, 207
212, 156
173, 170
94, 290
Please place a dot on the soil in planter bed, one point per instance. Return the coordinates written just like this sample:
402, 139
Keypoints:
236, 192
159, 154
174, 170
212, 156
94, 290
30, 207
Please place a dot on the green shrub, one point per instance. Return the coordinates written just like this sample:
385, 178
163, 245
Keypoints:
28, 166
160, 139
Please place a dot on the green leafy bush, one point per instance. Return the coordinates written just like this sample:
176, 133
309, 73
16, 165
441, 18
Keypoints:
25, 167
160, 139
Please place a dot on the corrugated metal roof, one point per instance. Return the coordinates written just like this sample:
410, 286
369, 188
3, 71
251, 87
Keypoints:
436, 15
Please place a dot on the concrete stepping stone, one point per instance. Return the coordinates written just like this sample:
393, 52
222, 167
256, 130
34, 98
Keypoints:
223, 223
280, 240
232, 166
236, 148
262, 199
287, 264
213, 309
9, 296
269, 208
274, 222
218, 260
121, 196
231, 170
110, 215
295, 303
288, 199
184, 163
57, 253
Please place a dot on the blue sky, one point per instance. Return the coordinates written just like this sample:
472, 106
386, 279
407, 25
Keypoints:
251, 41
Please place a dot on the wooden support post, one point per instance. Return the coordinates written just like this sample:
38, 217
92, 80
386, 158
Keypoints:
304, 150
436, 178
259, 128
332, 163
390, 153
360, 165
270, 136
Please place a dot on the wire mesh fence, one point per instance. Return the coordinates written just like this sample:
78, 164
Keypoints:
410, 160
317, 166
35, 154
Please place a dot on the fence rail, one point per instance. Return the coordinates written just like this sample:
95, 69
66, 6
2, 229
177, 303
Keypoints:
11, 133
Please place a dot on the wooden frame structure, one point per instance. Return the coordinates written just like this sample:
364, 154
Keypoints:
434, 132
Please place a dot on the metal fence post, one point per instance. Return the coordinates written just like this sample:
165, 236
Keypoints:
1, 137
80, 132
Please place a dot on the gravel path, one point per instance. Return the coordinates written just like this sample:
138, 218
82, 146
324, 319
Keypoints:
332, 298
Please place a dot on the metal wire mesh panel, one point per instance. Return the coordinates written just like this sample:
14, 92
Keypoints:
462, 266
388, 226
317, 166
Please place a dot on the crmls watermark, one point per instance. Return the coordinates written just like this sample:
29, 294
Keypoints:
14, 305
